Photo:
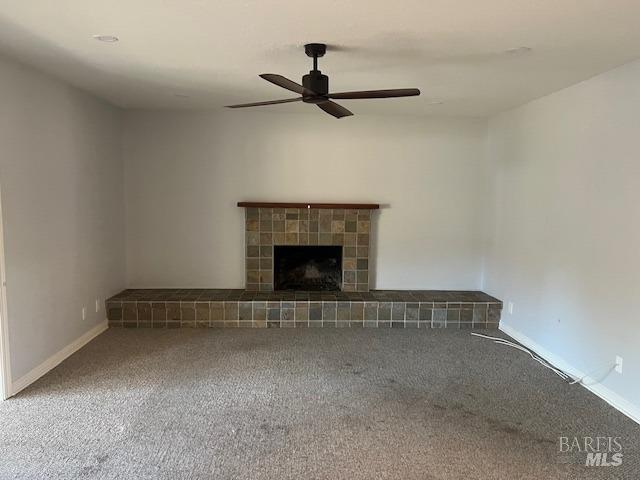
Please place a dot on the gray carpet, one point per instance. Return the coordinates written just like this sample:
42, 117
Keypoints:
312, 404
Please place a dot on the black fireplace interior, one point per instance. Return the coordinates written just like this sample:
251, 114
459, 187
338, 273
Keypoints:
307, 267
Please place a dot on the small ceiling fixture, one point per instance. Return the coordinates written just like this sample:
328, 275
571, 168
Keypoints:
315, 88
518, 51
181, 95
106, 38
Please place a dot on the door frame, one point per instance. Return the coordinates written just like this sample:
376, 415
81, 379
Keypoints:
5, 365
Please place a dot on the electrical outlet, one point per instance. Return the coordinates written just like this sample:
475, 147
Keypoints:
618, 364
510, 308
84, 313
97, 305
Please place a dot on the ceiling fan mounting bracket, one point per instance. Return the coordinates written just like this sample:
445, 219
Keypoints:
315, 49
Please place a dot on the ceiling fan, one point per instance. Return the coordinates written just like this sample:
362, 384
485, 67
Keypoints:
315, 88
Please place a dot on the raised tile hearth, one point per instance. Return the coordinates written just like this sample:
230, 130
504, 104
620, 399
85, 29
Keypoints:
175, 308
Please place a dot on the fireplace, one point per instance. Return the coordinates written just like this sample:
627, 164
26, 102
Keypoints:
317, 267
343, 226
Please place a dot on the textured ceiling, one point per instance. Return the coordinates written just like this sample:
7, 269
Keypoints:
212, 51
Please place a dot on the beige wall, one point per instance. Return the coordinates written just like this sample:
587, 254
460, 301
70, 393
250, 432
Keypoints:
566, 247
186, 171
62, 211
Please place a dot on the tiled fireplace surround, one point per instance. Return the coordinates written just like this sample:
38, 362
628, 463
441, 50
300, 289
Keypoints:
266, 227
258, 306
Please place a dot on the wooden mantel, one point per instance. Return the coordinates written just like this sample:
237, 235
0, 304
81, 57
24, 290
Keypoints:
346, 206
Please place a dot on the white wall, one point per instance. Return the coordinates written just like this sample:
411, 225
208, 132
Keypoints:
566, 245
62, 211
186, 171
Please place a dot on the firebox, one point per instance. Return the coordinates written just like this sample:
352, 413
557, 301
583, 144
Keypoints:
307, 267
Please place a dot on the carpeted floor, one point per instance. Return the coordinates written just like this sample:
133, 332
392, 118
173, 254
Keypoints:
303, 404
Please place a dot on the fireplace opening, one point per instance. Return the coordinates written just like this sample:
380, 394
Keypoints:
307, 267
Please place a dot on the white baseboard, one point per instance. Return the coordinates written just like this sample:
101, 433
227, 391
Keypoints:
612, 398
57, 358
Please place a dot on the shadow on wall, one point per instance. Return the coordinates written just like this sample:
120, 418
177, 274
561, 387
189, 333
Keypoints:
373, 245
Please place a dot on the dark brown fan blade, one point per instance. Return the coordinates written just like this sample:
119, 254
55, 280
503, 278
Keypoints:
272, 102
284, 82
398, 92
334, 109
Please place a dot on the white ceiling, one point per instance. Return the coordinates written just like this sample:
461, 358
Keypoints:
213, 50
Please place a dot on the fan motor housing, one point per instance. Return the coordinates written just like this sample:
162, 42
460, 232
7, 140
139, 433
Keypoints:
318, 83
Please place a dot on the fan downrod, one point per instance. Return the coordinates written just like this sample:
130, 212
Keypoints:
315, 80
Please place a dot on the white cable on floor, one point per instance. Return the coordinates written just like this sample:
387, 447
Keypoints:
570, 379
541, 361
581, 379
